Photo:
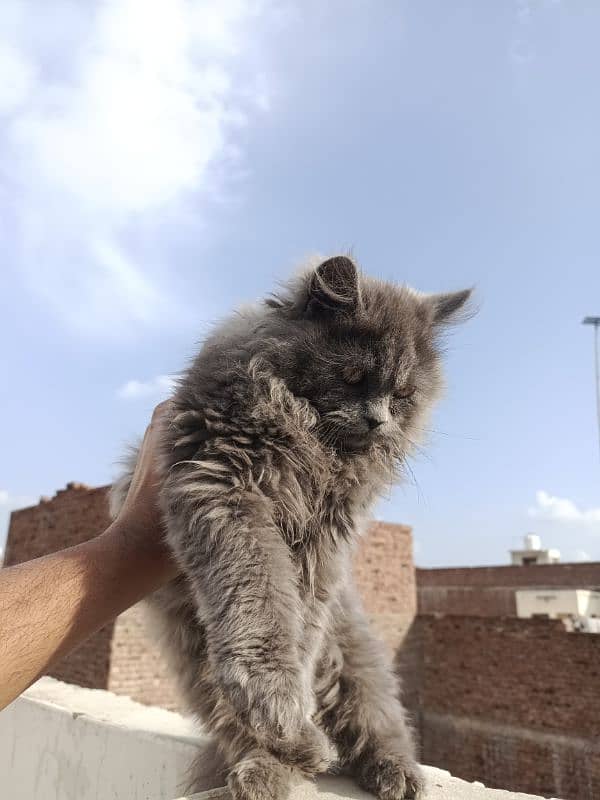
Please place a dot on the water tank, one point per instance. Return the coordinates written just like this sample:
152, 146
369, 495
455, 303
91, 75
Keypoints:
532, 542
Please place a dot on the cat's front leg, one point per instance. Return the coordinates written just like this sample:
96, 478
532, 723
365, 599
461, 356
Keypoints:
363, 713
270, 699
246, 590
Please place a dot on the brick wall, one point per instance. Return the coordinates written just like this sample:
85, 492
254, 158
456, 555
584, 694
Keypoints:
513, 758
385, 575
481, 601
513, 703
73, 515
578, 574
490, 591
137, 668
123, 659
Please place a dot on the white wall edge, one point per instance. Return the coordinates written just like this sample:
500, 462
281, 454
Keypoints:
64, 742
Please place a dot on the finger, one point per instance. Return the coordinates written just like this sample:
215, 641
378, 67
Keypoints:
161, 411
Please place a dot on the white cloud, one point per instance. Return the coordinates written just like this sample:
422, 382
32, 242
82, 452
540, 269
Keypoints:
582, 555
562, 509
114, 116
159, 387
17, 78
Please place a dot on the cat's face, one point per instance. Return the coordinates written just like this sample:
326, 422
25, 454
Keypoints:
367, 359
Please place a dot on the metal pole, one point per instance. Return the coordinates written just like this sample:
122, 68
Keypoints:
595, 321
597, 357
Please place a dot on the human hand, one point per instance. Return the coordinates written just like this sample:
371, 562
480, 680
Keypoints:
51, 604
140, 518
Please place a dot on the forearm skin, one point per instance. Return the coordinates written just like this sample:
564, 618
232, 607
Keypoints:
50, 605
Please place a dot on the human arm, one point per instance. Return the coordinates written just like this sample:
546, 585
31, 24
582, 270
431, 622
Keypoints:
50, 605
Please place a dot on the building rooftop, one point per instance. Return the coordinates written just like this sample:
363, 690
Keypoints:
533, 552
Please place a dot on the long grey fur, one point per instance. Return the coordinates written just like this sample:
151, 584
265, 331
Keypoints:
295, 416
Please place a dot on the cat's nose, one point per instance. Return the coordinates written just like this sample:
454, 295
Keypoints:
376, 412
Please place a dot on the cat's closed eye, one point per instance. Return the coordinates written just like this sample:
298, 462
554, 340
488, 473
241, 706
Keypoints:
405, 392
402, 398
354, 376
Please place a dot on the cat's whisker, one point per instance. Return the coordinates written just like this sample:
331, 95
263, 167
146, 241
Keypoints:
451, 435
415, 445
413, 479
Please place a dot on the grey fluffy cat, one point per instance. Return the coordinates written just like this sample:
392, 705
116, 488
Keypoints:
292, 420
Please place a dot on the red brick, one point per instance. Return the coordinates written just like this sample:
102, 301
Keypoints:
511, 702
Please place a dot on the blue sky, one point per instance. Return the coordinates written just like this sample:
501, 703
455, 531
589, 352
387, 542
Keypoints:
161, 162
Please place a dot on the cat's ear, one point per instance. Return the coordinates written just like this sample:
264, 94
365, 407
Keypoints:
334, 286
450, 307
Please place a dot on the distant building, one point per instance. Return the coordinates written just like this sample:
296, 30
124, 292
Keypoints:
505, 673
533, 553
492, 591
575, 605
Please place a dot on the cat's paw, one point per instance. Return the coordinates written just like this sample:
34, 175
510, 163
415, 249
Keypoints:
310, 751
259, 778
391, 776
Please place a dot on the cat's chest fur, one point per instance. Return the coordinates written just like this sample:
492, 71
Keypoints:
266, 448
320, 511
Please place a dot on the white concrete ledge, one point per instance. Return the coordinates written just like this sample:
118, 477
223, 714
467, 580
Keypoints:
62, 742
440, 786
